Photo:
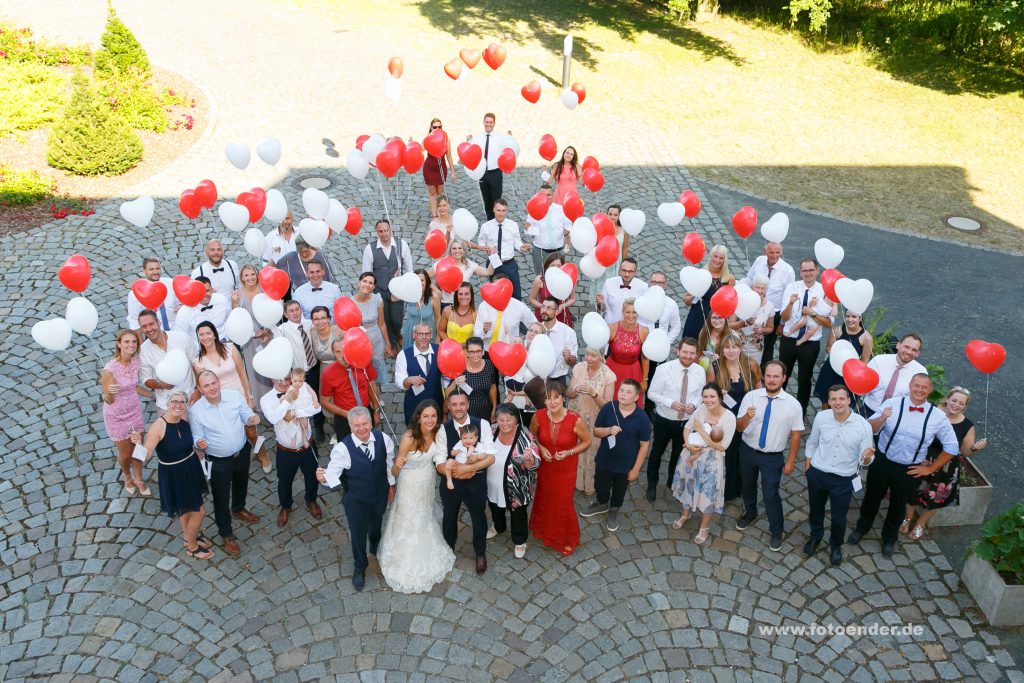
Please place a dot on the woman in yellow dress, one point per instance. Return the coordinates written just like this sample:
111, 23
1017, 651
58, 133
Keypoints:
457, 321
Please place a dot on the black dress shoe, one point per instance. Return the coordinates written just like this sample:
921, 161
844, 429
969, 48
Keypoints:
651, 493
481, 564
855, 537
811, 547
888, 549
359, 579
837, 556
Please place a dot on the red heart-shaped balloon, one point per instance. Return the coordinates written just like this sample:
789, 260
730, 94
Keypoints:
448, 274
572, 271
470, 57
396, 67
580, 90
436, 143
189, 204
494, 55
725, 301
206, 193
397, 144
274, 282
356, 348
255, 200
435, 243
453, 68
572, 206
538, 206
607, 250
346, 314
985, 356
590, 162
507, 358
412, 158
603, 225
150, 294
859, 377
690, 202
470, 154
354, 220
593, 179
188, 291
693, 248
497, 294
360, 140
744, 221
548, 148
829, 278
507, 160
389, 160
531, 92
75, 273
451, 359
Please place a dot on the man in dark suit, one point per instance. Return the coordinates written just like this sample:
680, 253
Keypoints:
416, 372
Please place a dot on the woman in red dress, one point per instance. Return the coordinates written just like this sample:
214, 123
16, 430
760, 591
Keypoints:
562, 436
435, 170
625, 349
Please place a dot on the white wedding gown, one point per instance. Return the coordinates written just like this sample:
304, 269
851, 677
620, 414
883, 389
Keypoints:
413, 555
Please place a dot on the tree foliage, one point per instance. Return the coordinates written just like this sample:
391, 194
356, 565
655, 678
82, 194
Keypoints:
120, 51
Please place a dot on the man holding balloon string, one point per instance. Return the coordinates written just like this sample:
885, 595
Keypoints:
345, 386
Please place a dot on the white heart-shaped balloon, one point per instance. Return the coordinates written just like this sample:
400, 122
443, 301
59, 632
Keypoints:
465, 225
696, 281
545, 176
269, 151
478, 172
655, 347
315, 202
393, 88
372, 146
583, 235
570, 99
651, 304
53, 334
275, 360
357, 165
558, 282
776, 228
314, 232
540, 358
842, 351
268, 312
81, 315
337, 215
748, 301
828, 253
632, 221
406, 287
595, 330
238, 327
856, 295
671, 213
509, 142
238, 154
590, 267
277, 207
174, 367
233, 216
138, 212
255, 242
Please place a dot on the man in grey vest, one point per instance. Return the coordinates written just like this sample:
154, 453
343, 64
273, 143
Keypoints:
386, 259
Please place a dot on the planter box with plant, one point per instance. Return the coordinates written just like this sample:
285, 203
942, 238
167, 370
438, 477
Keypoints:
994, 571
975, 496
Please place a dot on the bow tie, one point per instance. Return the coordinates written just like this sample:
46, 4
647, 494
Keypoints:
316, 289
219, 270
917, 410
206, 308
625, 286
281, 393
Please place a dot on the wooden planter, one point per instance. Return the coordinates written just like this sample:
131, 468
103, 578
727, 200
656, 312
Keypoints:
973, 505
1002, 604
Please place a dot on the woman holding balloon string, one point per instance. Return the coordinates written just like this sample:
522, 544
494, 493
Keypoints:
242, 297
457, 250
426, 311
565, 174
718, 266
539, 291
457, 321
622, 236
738, 375
122, 409
852, 331
710, 338
625, 349
371, 306
435, 172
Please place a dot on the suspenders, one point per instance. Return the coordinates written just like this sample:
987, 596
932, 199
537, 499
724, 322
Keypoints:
234, 280
924, 429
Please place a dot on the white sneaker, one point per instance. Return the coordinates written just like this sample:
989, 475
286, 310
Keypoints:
520, 551
491, 533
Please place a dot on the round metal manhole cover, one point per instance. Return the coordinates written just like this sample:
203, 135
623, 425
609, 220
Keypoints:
963, 223
315, 182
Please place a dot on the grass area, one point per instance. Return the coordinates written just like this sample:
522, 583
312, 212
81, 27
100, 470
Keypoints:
899, 143
31, 96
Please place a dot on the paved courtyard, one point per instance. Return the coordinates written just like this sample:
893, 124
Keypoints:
95, 586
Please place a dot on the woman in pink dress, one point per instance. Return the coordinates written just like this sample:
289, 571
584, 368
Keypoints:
565, 173
435, 170
625, 349
122, 410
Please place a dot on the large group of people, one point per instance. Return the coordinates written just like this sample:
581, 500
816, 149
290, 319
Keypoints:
517, 449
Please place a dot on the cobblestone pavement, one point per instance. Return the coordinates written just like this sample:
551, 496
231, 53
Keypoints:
93, 585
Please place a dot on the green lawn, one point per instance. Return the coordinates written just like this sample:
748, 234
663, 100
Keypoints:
898, 143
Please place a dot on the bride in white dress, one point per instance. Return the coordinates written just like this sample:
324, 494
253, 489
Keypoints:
413, 554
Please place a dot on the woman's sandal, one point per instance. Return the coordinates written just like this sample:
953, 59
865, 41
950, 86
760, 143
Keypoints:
905, 527
143, 489
201, 541
701, 536
683, 519
917, 533
200, 553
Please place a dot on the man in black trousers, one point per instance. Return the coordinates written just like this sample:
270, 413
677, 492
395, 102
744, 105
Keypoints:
491, 143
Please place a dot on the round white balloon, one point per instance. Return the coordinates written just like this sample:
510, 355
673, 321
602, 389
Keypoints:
828, 253
81, 315
558, 282
233, 216
842, 351
269, 151
632, 221
656, 345
583, 235
238, 154
315, 202
776, 228
595, 330
540, 358
238, 327
464, 224
275, 360
671, 213
748, 301
277, 207
570, 99
357, 164
372, 146
314, 232
590, 267
53, 334
337, 215
138, 212
268, 312
856, 295
255, 242
173, 368
509, 142
407, 287
696, 281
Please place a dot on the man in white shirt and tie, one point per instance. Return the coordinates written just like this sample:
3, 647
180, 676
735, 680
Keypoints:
388, 258
779, 275
154, 349
894, 372
619, 288
563, 339
299, 330
221, 272
280, 241
213, 308
316, 292
499, 238
416, 373
284, 407
771, 421
166, 311
492, 144
548, 233
804, 305
839, 445
669, 321
675, 392
507, 326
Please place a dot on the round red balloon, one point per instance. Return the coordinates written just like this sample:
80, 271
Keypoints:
346, 314
396, 67
690, 202
572, 271
150, 294
572, 206
590, 162
389, 160
360, 140
206, 193
593, 180
435, 243
507, 358
985, 356
744, 221
451, 359
829, 278
580, 90
607, 251
507, 160
603, 225
189, 204
436, 143
693, 248
448, 274
273, 281
538, 206
76, 273
188, 291
497, 294
859, 377
531, 92
724, 301
357, 349
412, 158
354, 220
548, 147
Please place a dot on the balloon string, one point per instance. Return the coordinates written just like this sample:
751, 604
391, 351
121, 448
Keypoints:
383, 412
988, 378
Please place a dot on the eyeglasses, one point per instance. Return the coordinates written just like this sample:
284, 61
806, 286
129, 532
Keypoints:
435, 127
177, 403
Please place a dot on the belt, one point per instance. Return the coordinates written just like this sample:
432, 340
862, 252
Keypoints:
233, 455
292, 450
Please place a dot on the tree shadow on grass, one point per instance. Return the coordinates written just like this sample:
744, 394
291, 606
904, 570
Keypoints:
548, 22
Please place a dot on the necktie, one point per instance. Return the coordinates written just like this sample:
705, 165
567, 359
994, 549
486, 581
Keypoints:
487, 150
163, 317
499, 241
316, 289
424, 361
219, 270
355, 387
890, 388
686, 386
365, 448
307, 346
206, 308
657, 324
914, 409
800, 332
764, 423
496, 330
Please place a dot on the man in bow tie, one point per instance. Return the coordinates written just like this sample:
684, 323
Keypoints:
361, 462
213, 308
316, 292
617, 289
906, 426
416, 372
222, 273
